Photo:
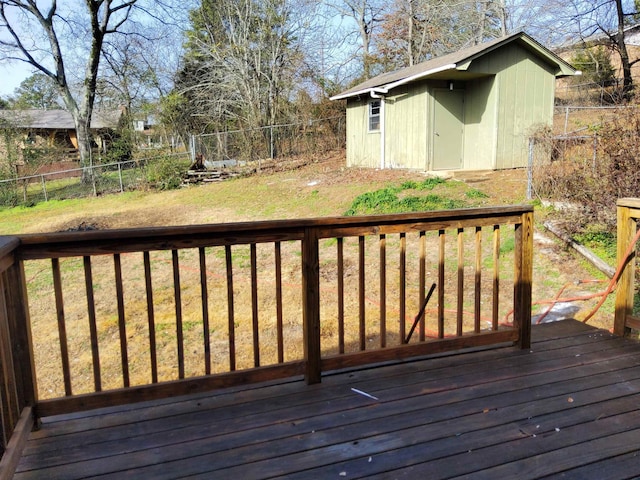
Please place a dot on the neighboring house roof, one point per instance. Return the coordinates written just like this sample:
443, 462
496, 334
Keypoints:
631, 37
58, 119
453, 63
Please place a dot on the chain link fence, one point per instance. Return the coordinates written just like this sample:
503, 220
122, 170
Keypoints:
574, 119
583, 172
238, 147
572, 147
553, 157
242, 151
589, 93
82, 181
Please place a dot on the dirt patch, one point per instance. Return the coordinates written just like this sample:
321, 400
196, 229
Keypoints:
85, 226
503, 186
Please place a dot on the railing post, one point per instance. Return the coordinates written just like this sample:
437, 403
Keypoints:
17, 385
625, 289
311, 305
523, 278
20, 331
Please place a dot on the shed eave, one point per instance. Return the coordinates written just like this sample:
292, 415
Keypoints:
382, 89
358, 93
564, 69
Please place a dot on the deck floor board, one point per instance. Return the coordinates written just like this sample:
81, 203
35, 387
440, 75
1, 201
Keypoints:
570, 406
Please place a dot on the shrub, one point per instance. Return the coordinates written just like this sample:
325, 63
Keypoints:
8, 195
166, 173
591, 187
595, 65
386, 200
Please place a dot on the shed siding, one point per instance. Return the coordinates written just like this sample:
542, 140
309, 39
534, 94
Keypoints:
525, 88
363, 147
406, 123
481, 122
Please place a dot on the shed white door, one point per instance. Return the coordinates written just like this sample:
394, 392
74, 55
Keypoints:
448, 129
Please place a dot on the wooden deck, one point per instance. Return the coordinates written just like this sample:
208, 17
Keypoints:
569, 408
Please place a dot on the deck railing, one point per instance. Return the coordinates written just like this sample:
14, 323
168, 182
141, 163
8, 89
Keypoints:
92, 319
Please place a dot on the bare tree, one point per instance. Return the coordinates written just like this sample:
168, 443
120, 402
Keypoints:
366, 15
128, 76
38, 34
603, 22
417, 30
241, 60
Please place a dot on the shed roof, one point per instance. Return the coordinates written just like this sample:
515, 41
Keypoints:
455, 62
58, 119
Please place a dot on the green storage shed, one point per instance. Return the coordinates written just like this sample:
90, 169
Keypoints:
474, 109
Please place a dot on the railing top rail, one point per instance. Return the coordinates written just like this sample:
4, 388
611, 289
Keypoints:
629, 202
8, 245
60, 244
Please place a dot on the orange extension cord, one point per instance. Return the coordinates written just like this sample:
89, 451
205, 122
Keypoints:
603, 294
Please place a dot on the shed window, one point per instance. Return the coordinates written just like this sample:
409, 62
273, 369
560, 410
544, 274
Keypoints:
374, 115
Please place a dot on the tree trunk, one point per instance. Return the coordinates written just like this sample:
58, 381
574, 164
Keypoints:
627, 79
84, 148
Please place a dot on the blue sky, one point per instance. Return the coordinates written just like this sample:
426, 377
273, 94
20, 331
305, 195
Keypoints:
11, 75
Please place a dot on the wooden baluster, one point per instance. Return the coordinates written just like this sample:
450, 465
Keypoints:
311, 306
153, 358
177, 294
478, 281
361, 294
254, 306
279, 306
204, 295
460, 299
422, 289
230, 309
93, 329
441, 271
496, 278
403, 286
383, 291
62, 330
341, 295
121, 320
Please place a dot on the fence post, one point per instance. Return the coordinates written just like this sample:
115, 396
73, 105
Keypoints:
311, 305
120, 176
44, 188
595, 151
271, 141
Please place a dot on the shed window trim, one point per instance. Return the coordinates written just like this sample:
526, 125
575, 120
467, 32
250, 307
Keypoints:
374, 115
